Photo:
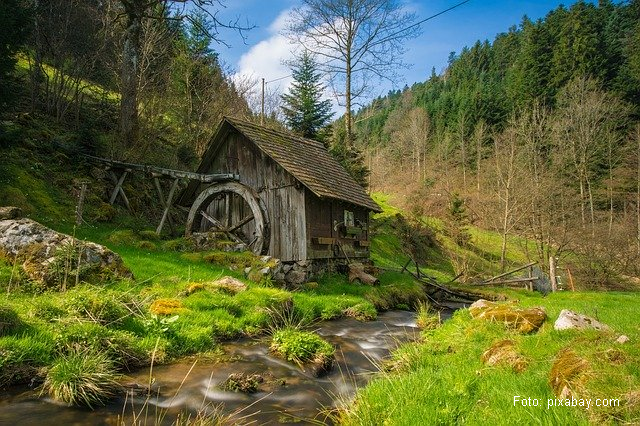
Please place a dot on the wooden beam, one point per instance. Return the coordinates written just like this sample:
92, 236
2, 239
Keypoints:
165, 213
508, 273
161, 171
221, 227
552, 274
80, 206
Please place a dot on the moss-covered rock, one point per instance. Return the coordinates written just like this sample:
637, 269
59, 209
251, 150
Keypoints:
49, 257
524, 320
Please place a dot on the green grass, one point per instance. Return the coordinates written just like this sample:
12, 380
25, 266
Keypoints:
301, 346
442, 379
82, 378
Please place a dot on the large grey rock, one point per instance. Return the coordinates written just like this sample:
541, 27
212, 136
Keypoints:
43, 252
568, 320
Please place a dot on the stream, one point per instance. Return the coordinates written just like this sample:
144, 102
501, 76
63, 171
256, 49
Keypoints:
290, 395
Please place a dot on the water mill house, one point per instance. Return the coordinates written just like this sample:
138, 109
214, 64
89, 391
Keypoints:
290, 199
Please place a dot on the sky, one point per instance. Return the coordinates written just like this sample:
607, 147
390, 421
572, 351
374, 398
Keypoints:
261, 53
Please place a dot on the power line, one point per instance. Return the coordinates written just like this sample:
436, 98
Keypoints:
279, 78
427, 19
396, 33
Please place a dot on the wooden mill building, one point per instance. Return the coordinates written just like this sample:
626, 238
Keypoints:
288, 197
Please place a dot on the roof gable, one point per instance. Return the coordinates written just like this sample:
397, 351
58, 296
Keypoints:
306, 160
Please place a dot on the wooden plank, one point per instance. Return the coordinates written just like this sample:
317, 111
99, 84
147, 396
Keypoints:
241, 223
363, 243
552, 274
323, 240
221, 227
156, 181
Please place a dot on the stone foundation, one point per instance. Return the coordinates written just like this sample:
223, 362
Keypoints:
293, 274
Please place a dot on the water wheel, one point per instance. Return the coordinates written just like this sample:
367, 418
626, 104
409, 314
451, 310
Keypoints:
235, 210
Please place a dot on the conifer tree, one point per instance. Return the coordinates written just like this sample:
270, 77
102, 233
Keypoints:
304, 110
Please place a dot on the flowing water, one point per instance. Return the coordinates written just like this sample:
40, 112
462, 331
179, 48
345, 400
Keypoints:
290, 394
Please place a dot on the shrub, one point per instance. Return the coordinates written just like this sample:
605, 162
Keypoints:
22, 356
47, 310
121, 346
301, 346
146, 245
9, 320
179, 244
82, 378
105, 213
149, 235
125, 237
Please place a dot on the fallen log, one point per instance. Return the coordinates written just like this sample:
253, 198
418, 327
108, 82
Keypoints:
357, 272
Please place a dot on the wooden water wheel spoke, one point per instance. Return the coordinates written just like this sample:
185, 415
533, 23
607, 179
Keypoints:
225, 206
242, 223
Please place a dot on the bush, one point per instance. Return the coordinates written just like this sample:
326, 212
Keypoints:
9, 320
105, 213
82, 378
301, 346
125, 237
362, 312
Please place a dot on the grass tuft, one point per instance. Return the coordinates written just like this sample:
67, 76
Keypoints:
426, 316
302, 346
82, 378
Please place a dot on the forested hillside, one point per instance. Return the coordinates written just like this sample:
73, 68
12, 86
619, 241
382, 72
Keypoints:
82, 65
535, 133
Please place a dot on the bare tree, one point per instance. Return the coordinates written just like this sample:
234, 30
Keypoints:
135, 12
509, 184
586, 118
357, 40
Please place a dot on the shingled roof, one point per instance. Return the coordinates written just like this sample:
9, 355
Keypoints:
306, 160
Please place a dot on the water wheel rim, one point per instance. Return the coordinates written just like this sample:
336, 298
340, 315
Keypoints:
260, 239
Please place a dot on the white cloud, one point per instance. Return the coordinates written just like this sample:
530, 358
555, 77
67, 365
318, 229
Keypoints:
265, 60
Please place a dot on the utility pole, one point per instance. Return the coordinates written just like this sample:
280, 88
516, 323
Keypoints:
262, 115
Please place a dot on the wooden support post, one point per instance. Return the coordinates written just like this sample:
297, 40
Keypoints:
167, 206
552, 273
571, 285
156, 181
118, 189
80, 206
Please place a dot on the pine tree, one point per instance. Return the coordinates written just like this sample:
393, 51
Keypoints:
305, 111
